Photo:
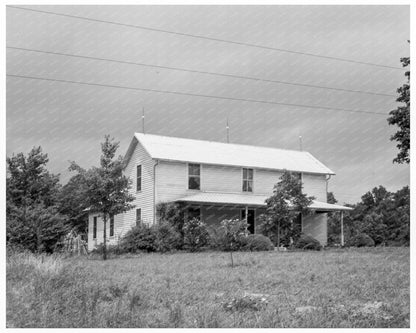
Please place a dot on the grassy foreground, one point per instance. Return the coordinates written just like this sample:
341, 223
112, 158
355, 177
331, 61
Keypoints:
332, 288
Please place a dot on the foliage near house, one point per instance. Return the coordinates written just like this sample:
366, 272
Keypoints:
306, 242
257, 242
231, 235
33, 219
196, 235
361, 240
401, 118
167, 238
174, 214
382, 215
283, 207
139, 238
74, 204
106, 188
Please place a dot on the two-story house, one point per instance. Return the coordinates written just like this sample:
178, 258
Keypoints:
216, 180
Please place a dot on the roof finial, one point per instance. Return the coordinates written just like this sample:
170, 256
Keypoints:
300, 142
228, 132
143, 120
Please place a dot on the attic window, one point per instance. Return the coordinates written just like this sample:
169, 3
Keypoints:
247, 180
194, 176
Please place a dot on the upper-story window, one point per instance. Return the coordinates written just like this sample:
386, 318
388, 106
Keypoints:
247, 180
139, 178
194, 176
94, 228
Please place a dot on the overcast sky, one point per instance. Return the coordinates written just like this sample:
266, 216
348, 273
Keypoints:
70, 120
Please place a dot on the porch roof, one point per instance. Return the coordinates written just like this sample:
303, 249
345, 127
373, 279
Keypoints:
245, 199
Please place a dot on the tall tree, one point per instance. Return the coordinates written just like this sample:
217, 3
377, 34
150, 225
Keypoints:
73, 203
401, 118
106, 188
383, 215
32, 218
284, 207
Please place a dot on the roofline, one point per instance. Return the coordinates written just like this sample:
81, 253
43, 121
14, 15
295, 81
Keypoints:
130, 150
226, 143
246, 166
138, 134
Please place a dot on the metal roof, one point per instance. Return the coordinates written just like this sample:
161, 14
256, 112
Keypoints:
253, 200
219, 153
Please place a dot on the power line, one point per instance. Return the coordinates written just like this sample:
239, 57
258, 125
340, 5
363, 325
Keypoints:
198, 71
228, 41
196, 95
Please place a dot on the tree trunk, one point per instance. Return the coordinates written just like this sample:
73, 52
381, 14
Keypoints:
278, 234
105, 237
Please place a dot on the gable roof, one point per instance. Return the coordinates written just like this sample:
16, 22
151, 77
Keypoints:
219, 153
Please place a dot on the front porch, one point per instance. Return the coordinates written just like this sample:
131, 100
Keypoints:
213, 207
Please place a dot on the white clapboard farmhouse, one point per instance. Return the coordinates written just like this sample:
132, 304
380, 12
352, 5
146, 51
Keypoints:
216, 180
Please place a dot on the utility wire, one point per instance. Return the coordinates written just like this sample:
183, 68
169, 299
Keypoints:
196, 95
199, 72
228, 41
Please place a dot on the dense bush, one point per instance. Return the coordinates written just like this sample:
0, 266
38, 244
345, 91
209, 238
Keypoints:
167, 238
306, 242
110, 249
230, 236
258, 242
361, 240
195, 235
382, 215
174, 213
139, 238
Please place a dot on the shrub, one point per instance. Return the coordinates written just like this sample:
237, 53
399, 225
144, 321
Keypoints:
258, 242
139, 238
361, 240
196, 235
231, 235
167, 238
174, 213
110, 249
306, 242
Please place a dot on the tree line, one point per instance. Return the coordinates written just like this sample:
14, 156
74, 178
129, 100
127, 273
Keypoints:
382, 215
40, 211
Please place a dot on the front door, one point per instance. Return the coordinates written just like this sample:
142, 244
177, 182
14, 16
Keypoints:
250, 218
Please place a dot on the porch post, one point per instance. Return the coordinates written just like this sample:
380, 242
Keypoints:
247, 214
342, 228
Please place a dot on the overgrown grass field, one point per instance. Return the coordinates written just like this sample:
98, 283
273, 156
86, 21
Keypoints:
332, 288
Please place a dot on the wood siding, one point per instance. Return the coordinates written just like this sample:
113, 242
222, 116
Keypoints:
118, 231
144, 200
264, 181
315, 185
316, 226
172, 180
